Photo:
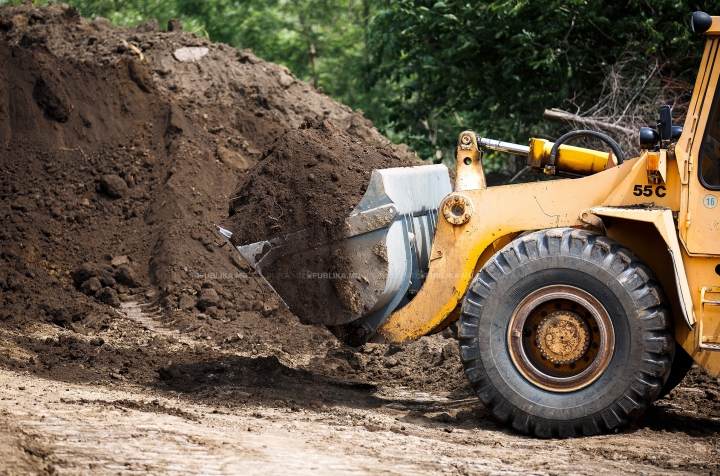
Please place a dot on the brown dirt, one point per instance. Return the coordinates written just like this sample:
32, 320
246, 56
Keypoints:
310, 177
115, 169
114, 292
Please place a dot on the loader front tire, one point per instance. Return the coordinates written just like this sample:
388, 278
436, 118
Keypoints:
565, 332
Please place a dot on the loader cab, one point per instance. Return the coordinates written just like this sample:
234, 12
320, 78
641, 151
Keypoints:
698, 160
698, 150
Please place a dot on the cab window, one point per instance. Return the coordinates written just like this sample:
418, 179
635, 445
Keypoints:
709, 170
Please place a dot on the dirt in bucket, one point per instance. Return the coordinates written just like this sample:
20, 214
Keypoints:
310, 177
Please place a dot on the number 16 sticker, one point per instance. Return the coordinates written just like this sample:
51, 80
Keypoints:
710, 201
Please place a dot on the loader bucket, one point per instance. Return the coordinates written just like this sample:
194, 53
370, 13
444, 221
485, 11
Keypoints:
364, 270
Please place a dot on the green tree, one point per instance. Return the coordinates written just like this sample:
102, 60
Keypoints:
495, 66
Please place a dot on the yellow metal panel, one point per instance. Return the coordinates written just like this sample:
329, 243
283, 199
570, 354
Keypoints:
469, 169
701, 274
700, 214
635, 188
663, 221
710, 317
496, 246
501, 211
704, 230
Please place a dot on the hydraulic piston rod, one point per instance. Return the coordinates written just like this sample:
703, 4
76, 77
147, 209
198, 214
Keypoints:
503, 146
571, 161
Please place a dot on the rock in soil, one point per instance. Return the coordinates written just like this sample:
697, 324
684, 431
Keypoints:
109, 297
114, 186
208, 298
91, 286
186, 302
124, 274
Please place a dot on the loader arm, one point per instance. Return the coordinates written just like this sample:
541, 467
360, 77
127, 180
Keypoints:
494, 212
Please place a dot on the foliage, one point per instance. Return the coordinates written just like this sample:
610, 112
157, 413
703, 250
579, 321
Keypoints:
495, 66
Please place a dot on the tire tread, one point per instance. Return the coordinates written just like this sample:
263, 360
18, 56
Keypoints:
652, 312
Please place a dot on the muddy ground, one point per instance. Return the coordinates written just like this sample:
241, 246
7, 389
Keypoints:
132, 341
261, 411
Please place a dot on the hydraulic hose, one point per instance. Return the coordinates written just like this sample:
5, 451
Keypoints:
550, 168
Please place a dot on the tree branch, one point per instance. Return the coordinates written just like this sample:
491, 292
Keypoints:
560, 115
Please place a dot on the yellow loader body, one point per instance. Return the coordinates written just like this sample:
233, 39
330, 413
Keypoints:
579, 302
671, 222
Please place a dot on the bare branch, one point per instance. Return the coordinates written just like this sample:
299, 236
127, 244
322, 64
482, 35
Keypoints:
560, 115
629, 99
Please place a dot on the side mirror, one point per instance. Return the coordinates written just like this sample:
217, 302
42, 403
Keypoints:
665, 123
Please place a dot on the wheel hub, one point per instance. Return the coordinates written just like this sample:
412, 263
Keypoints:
563, 337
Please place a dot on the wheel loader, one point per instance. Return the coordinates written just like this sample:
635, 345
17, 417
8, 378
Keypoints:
579, 299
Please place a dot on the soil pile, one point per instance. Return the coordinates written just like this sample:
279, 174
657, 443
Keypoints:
310, 177
119, 150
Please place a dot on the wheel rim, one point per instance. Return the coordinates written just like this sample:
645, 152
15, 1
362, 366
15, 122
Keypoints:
561, 338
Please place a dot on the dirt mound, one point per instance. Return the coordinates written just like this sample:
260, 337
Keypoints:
310, 177
115, 143
119, 150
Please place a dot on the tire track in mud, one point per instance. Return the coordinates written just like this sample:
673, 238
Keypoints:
146, 314
79, 429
